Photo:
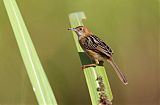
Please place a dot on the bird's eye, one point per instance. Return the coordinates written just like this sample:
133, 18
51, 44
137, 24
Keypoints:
80, 28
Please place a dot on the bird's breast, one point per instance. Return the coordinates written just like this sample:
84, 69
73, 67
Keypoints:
94, 55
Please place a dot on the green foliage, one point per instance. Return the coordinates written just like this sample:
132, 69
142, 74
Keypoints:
91, 73
34, 68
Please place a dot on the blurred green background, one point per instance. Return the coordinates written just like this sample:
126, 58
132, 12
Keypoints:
130, 27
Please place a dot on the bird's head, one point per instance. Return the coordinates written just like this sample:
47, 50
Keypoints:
81, 31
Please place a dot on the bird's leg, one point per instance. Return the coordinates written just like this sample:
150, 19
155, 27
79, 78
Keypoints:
90, 65
97, 62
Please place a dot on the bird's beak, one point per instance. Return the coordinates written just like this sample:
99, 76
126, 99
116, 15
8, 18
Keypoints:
73, 29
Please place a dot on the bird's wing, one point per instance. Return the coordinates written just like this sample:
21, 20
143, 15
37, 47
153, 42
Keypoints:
99, 48
94, 43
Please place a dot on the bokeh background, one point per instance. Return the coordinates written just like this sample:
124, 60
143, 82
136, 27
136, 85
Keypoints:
130, 27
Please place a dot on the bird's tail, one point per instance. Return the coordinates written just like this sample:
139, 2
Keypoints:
118, 71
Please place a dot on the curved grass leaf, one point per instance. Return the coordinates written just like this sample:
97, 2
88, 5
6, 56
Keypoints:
32, 63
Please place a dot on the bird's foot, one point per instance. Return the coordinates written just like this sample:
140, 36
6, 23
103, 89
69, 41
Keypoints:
89, 65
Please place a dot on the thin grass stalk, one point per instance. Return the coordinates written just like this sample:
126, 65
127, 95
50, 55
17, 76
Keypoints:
37, 76
92, 74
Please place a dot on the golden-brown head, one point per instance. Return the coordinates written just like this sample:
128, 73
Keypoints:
81, 31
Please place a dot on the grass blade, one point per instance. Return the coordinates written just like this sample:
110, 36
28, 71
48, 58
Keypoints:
91, 73
32, 63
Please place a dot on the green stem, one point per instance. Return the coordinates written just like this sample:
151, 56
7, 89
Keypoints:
37, 76
91, 73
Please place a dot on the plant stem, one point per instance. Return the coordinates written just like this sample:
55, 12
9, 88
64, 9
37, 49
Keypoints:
91, 73
37, 76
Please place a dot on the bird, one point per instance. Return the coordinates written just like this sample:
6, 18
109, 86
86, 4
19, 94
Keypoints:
97, 50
